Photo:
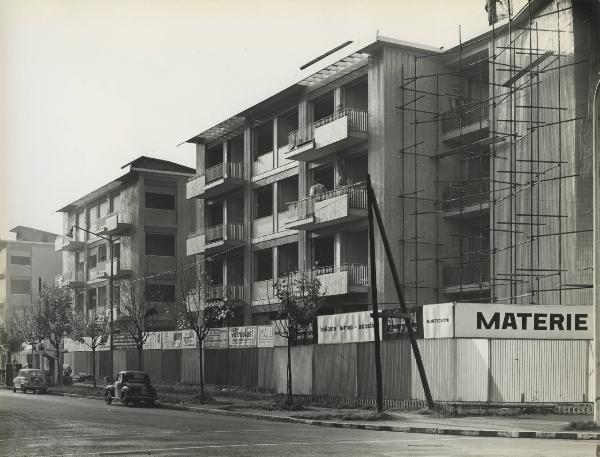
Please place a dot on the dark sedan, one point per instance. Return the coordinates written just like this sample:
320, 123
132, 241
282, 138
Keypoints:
131, 387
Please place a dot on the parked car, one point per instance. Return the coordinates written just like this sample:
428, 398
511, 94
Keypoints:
82, 377
131, 387
30, 379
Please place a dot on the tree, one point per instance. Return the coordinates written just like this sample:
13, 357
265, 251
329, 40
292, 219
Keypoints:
93, 330
54, 312
11, 341
25, 326
195, 312
299, 300
137, 315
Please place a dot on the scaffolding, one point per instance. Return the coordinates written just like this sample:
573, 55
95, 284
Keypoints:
504, 212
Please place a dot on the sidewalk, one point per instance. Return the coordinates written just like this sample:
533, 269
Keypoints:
262, 406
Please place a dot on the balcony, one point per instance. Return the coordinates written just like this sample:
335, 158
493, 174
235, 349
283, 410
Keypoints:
467, 124
228, 293
216, 180
335, 280
330, 134
471, 275
467, 198
338, 206
215, 239
66, 243
118, 271
110, 225
74, 279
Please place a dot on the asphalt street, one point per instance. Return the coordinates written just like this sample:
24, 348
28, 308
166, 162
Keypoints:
46, 425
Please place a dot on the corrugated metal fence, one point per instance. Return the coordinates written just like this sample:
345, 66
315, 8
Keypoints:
457, 369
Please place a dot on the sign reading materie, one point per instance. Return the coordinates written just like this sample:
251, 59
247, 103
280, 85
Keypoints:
477, 320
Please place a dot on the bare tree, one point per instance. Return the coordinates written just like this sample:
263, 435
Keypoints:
54, 309
11, 341
24, 325
137, 315
92, 329
299, 300
195, 312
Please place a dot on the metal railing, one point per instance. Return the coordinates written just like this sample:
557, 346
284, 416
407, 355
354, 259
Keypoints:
469, 114
472, 270
357, 195
466, 193
214, 233
357, 121
234, 292
358, 274
224, 170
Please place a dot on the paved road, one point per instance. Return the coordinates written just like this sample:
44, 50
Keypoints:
45, 425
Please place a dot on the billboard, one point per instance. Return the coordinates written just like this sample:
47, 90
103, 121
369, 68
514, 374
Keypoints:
217, 338
243, 337
552, 322
346, 328
438, 321
265, 336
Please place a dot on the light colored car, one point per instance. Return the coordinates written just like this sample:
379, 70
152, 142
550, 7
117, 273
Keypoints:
30, 379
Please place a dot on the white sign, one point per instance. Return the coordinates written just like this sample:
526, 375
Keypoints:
242, 337
438, 320
346, 328
217, 338
480, 320
265, 336
189, 340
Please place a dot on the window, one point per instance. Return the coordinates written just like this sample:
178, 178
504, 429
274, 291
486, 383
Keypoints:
102, 296
286, 124
160, 292
264, 264
160, 244
20, 286
160, 201
20, 260
288, 258
92, 261
114, 203
264, 138
264, 201
102, 253
103, 209
117, 251
117, 299
92, 300
79, 302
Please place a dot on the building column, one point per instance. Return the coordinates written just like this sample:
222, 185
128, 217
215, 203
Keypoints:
337, 248
225, 161
248, 214
275, 263
304, 118
275, 208
275, 139
338, 99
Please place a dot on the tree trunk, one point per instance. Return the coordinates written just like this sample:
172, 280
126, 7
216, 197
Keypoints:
94, 367
290, 400
140, 358
201, 371
31, 355
57, 366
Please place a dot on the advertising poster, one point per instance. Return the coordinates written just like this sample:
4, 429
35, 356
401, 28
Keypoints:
346, 328
394, 328
189, 340
265, 336
217, 338
483, 320
123, 341
242, 337
438, 321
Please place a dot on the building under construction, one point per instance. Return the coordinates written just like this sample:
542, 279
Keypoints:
480, 157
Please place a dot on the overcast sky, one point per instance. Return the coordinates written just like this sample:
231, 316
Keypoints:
88, 85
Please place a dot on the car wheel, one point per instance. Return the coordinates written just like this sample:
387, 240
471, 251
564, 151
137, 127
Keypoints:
125, 400
14, 389
108, 398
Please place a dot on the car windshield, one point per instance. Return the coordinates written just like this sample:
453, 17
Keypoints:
34, 373
137, 377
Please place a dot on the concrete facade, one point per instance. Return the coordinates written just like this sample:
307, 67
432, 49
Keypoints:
148, 217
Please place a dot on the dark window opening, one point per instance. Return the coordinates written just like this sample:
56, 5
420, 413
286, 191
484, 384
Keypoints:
326, 176
160, 293
92, 261
264, 201
20, 286
287, 258
323, 252
214, 214
116, 251
264, 264
214, 156
20, 260
117, 299
264, 138
102, 296
235, 149
163, 245
357, 95
92, 300
80, 302
323, 107
160, 201
102, 253
287, 192
286, 124
215, 271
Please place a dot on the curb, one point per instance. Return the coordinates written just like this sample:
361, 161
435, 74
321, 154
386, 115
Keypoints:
375, 427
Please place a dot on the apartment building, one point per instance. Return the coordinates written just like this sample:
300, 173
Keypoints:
24, 263
479, 157
145, 214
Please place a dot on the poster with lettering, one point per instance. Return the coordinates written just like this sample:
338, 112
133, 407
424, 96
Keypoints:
123, 341
154, 341
265, 336
346, 328
217, 338
242, 337
552, 322
189, 340
172, 340
395, 328
438, 320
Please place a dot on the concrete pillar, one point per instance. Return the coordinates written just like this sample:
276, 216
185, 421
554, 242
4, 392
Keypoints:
248, 214
338, 99
275, 263
275, 209
225, 217
275, 136
225, 270
304, 118
337, 248
225, 160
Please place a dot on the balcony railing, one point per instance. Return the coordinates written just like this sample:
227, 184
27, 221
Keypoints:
357, 196
358, 273
357, 120
216, 232
225, 170
466, 193
472, 270
469, 114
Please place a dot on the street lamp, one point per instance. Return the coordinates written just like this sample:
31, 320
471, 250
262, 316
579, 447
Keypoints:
110, 285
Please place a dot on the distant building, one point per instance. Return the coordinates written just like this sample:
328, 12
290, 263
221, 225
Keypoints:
24, 262
148, 217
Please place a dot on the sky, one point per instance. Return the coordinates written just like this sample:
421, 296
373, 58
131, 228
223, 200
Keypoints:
88, 85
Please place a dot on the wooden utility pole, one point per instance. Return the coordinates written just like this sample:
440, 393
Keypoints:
373, 284
373, 207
